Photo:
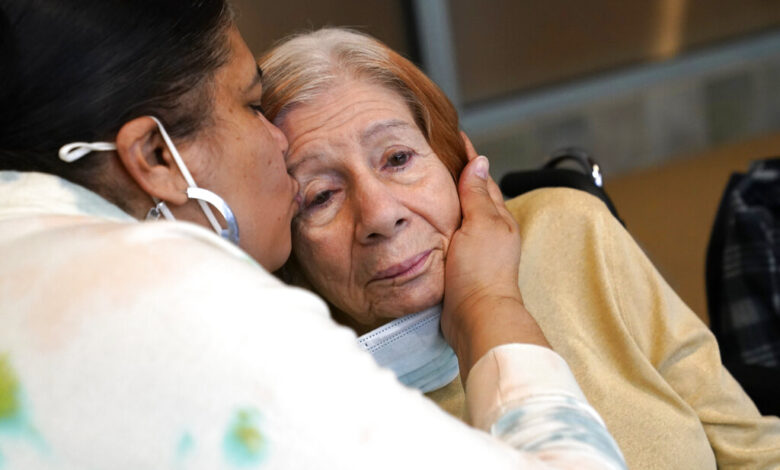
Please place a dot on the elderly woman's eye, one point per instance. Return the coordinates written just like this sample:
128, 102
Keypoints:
399, 159
321, 198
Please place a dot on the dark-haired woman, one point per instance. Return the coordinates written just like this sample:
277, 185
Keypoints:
129, 345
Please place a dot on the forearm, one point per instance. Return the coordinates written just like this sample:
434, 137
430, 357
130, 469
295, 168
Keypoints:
492, 321
526, 396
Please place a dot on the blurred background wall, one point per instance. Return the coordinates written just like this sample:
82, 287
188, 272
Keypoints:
670, 96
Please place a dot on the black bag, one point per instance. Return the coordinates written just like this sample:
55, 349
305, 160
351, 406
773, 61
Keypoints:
743, 281
588, 180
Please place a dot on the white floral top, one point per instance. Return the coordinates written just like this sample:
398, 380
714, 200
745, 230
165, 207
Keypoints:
127, 345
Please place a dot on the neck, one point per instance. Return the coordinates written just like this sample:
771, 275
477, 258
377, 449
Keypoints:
116, 185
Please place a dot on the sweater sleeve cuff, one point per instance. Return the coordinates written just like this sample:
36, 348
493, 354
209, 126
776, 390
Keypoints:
509, 374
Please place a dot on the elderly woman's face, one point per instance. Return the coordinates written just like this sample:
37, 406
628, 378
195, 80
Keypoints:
378, 206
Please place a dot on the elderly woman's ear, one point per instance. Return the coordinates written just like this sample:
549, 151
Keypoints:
149, 162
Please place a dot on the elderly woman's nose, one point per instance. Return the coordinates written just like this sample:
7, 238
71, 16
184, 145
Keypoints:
380, 214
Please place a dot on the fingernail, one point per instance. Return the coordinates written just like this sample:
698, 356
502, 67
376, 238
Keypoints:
482, 167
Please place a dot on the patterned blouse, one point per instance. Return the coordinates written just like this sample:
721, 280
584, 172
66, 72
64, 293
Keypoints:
127, 345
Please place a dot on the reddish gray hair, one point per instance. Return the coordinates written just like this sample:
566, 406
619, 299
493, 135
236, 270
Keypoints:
304, 66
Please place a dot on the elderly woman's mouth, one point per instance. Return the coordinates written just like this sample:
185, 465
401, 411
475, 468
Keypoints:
408, 268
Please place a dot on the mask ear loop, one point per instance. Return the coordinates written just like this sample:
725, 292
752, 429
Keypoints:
69, 153
188, 178
231, 232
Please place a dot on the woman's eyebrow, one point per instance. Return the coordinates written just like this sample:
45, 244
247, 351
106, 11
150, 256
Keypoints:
308, 160
382, 126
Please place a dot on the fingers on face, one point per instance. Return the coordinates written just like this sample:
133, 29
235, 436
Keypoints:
498, 200
492, 187
482, 197
471, 152
474, 193
495, 192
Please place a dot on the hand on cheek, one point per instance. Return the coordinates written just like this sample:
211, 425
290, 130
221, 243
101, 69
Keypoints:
483, 307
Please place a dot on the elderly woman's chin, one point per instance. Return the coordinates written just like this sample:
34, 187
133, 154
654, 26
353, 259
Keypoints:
387, 299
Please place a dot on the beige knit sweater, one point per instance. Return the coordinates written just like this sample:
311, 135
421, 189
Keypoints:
645, 361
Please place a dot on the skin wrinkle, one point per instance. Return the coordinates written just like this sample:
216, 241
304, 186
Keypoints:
378, 214
378, 127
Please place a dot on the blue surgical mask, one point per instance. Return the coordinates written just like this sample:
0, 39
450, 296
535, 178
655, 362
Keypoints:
414, 348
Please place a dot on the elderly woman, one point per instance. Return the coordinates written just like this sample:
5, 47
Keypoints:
375, 148
128, 345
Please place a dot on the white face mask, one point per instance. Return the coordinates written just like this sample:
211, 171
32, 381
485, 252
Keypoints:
414, 348
73, 151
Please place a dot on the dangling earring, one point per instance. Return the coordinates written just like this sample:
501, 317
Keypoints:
160, 210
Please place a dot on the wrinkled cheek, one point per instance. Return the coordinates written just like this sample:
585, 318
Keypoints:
353, 301
323, 270
447, 202
327, 265
381, 301
299, 241
447, 230
302, 254
435, 284
454, 208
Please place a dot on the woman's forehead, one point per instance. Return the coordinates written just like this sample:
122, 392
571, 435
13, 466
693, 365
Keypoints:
240, 73
357, 111
319, 152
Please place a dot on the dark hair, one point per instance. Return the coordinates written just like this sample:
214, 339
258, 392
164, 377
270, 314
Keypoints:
77, 70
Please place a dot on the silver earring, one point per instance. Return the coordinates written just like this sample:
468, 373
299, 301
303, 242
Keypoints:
231, 232
160, 210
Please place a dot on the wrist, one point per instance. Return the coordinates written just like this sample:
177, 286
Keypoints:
489, 322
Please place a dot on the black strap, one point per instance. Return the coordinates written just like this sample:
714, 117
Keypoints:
520, 182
